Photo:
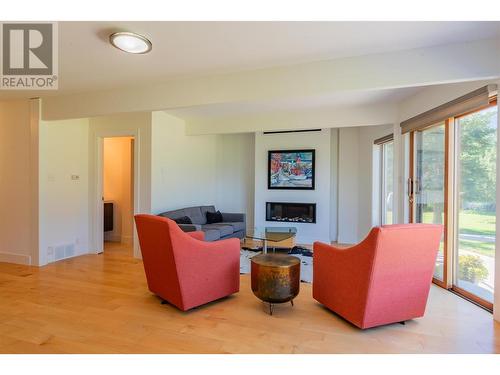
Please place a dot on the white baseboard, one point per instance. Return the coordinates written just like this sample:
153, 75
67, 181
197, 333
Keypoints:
15, 258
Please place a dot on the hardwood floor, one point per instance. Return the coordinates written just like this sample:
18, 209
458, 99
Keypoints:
100, 304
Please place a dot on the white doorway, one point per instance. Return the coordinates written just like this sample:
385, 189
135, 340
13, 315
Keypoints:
115, 182
118, 190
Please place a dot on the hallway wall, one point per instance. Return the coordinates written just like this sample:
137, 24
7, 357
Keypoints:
64, 189
18, 182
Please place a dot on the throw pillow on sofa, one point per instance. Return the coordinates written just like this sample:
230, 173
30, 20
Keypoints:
214, 217
183, 220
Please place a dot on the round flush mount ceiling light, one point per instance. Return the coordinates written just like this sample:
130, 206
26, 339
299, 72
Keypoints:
130, 42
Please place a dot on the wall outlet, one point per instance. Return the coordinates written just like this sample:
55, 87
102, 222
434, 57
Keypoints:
75, 177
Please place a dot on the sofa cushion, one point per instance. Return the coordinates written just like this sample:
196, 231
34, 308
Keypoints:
190, 227
214, 217
211, 234
183, 220
225, 230
205, 209
237, 225
194, 213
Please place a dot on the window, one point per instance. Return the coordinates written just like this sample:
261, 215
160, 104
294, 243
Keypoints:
386, 188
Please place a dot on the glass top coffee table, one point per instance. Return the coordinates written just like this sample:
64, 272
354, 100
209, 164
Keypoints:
271, 234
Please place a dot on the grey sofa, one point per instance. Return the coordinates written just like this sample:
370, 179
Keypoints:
233, 225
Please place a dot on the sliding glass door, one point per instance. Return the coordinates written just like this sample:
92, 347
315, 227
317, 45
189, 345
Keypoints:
429, 184
453, 182
474, 261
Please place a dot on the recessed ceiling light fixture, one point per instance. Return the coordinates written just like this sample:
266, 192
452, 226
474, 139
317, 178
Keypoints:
130, 42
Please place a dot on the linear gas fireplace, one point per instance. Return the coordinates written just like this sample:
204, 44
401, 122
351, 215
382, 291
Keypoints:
291, 212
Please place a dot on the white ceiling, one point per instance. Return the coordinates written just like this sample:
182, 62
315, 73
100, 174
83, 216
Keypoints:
331, 101
88, 62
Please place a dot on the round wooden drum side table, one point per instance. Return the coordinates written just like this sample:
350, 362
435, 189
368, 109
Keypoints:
275, 278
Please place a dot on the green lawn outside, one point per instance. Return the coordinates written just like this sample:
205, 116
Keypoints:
478, 247
471, 222
478, 223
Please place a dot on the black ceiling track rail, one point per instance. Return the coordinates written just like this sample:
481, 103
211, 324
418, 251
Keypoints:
293, 131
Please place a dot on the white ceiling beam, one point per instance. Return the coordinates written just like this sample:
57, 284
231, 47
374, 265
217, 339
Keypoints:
297, 120
425, 66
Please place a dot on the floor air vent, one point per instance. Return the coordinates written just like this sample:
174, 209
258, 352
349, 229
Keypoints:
63, 251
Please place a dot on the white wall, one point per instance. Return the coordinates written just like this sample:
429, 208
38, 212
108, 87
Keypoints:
18, 181
183, 169
348, 185
171, 170
334, 184
235, 174
321, 142
69, 207
64, 208
118, 187
357, 166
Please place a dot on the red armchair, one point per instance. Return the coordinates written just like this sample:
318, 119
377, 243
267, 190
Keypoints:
183, 269
384, 279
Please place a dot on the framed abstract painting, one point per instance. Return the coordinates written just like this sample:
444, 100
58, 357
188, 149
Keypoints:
291, 169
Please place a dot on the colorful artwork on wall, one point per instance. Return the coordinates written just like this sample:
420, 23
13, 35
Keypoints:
291, 169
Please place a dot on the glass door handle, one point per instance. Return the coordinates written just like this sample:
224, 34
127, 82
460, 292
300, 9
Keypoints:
410, 189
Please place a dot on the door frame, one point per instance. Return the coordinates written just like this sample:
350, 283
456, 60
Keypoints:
411, 194
96, 193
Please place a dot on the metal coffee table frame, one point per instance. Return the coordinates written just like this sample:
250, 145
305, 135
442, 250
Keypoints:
272, 234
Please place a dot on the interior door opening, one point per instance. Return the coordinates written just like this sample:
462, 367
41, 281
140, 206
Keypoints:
118, 192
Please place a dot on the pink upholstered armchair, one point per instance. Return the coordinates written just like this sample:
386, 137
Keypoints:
384, 279
183, 269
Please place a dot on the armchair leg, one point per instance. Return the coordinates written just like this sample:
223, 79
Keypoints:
402, 323
270, 309
291, 301
163, 302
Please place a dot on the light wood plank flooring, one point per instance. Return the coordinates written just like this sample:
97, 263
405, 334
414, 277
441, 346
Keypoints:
100, 304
